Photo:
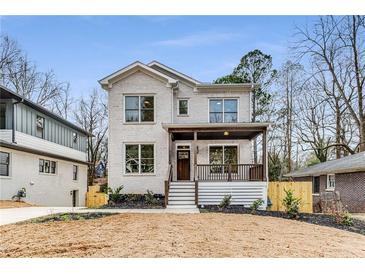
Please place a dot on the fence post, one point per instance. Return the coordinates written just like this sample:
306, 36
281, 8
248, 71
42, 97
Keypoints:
229, 172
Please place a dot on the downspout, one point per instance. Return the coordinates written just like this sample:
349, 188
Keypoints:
13, 120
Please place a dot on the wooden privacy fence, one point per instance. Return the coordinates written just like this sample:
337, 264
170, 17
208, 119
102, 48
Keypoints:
302, 190
95, 198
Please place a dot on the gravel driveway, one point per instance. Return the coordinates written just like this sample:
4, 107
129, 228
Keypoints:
179, 235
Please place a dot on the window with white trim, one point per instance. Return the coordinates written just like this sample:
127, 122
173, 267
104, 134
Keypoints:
223, 110
40, 127
75, 172
139, 159
4, 163
183, 107
47, 166
331, 181
222, 155
139, 109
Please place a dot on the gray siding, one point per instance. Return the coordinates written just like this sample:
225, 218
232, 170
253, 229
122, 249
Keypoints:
8, 113
54, 131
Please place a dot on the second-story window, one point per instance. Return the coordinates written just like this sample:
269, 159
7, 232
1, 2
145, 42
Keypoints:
40, 127
183, 107
74, 138
2, 116
139, 109
223, 110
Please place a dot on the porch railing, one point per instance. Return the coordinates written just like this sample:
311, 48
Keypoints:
168, 180
230, 172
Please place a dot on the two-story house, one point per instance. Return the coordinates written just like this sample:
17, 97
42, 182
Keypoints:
40, 152
177, 136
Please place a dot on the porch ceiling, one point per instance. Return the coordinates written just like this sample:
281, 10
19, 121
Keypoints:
216, 131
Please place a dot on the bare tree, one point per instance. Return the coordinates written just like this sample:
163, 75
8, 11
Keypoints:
64, 102
337, 45
91, 115
290, 82
313, 128
22, 76
9, 53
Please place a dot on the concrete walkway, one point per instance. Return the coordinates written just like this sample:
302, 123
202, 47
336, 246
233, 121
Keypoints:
14, 215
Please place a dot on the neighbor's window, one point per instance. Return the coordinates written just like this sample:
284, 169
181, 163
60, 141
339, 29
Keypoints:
139, 158
40, 127
223, 110
331, 182
316, 184
139, 109
47, 166
4, 163
2, 116
74, 137
75, 170
223, 154
183, 107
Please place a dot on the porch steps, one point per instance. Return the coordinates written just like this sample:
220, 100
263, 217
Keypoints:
181, 195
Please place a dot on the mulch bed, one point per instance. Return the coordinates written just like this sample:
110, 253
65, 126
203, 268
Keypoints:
318, 219
132, 201
68, 217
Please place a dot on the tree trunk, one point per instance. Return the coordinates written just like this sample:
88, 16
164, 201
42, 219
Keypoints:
362, 135
338, 130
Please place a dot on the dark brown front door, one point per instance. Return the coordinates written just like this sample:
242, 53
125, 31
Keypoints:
183, 164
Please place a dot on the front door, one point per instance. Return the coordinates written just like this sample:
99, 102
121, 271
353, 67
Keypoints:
183, 165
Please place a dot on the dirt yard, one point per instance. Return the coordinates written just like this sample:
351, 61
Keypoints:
179, 235
12, 204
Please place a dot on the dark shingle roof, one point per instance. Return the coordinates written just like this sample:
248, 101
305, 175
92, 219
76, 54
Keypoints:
352, 163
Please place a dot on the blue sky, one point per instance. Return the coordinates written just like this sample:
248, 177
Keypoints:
83, 49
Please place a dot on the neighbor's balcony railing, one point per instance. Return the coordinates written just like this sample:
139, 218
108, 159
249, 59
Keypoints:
230, 172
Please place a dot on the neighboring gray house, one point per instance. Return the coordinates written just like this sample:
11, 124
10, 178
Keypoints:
41, 152
345, 175
177, 136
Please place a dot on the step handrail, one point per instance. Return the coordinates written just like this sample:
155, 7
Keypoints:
167, 184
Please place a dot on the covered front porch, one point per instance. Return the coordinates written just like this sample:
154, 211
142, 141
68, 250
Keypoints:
217, 158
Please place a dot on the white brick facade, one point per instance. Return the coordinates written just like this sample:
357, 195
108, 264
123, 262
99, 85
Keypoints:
166, 111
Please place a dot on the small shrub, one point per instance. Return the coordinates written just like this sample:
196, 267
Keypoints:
150, 198
291, 204
255, 205
114, 195
344, 218
226, 201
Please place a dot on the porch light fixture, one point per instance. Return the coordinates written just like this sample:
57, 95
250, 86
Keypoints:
226, 133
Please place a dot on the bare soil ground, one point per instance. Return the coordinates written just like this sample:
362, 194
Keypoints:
179, 235
12, 204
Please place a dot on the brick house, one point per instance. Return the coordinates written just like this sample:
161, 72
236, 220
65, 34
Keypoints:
187, 140
345, 175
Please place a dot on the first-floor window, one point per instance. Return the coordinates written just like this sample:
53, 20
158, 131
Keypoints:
4, 163
47, 166
222, 154
331, 182
139, 158
316, 183
74, 172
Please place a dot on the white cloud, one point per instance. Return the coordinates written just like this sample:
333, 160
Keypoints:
198, 39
